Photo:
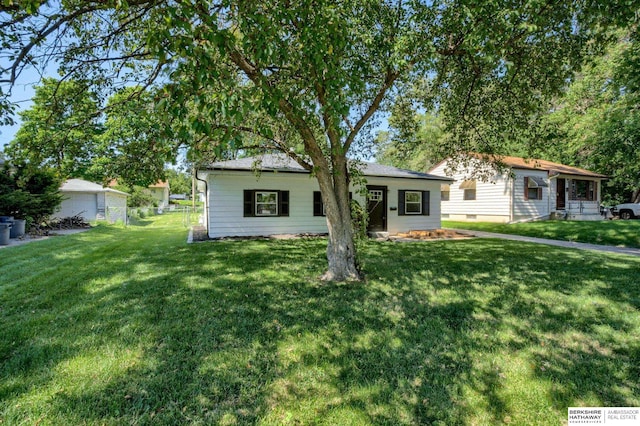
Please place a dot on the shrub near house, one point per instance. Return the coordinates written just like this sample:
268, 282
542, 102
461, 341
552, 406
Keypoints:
29, 194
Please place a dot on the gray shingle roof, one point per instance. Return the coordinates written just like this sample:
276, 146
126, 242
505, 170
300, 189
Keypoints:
283, 163
80, 185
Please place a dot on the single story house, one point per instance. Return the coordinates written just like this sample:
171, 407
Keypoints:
160, 192
92, 202
529, 189
283, 198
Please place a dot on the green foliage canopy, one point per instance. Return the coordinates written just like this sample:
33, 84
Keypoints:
596, 123
60, 130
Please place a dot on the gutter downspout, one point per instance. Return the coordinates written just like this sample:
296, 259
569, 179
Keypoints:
206, 198
512, 184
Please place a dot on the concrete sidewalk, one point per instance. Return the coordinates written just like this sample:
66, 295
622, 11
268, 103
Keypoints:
559, 243
29, 239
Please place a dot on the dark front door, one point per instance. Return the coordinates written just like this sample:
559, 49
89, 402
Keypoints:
560, 194
377, 208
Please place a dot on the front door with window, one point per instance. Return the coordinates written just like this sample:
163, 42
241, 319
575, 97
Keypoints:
377, 208
560, 194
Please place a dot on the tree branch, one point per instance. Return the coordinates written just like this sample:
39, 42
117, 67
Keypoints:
42, 35
390, 78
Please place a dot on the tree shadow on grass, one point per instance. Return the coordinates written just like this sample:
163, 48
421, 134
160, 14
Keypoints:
243, 332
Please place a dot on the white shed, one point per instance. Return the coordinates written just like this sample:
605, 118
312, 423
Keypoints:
283, 198
92, 201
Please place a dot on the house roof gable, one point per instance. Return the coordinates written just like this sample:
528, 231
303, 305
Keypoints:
283, 163
160, 184
536, 164
549, 166
81, 185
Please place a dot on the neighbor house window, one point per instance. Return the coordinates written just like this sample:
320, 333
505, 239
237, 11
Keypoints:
583, 190
445, 192
469, 188
533, 187
260, 203
413, 202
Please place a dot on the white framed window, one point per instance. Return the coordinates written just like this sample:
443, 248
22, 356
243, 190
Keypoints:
445, 191
266, 203
413, 202
469, 187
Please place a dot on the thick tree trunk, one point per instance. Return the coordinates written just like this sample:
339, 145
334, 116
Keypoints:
341, 250
341, 253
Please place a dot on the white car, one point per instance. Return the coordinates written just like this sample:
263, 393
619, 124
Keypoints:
628, 210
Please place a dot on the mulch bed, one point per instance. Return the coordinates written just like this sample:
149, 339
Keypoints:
199, 233
430, 235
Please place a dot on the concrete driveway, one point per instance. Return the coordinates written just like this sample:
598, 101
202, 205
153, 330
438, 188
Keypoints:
559, 243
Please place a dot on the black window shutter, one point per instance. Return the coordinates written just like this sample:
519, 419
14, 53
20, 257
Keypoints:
317, 203
425, 202
249, 206
283, 203
526, 187
401, 202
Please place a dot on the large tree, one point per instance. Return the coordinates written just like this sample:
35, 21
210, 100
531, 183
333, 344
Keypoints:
60, 130
412, 140
596, 123
134, 146
319, 71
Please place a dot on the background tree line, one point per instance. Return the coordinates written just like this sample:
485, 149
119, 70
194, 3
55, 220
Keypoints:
593, 123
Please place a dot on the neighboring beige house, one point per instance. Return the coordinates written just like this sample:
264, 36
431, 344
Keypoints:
285, 199
530, 189
160, 192
91, 201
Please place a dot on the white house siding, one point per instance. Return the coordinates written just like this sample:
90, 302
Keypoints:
226, 204
161, 195
524, 209
116, 207
397, 223
492, 203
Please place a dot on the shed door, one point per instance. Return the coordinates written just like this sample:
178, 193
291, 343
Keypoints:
85, 205
560, 194
377, 208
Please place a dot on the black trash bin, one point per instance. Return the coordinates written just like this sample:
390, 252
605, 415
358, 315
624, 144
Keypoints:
5, 233
18, 228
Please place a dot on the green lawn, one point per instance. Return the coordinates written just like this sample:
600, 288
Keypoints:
623, 233
134, 326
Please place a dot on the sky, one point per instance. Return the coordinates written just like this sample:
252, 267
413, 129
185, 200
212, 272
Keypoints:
21, 94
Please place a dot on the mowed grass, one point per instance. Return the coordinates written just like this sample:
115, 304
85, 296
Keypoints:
134, 326
622, 233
